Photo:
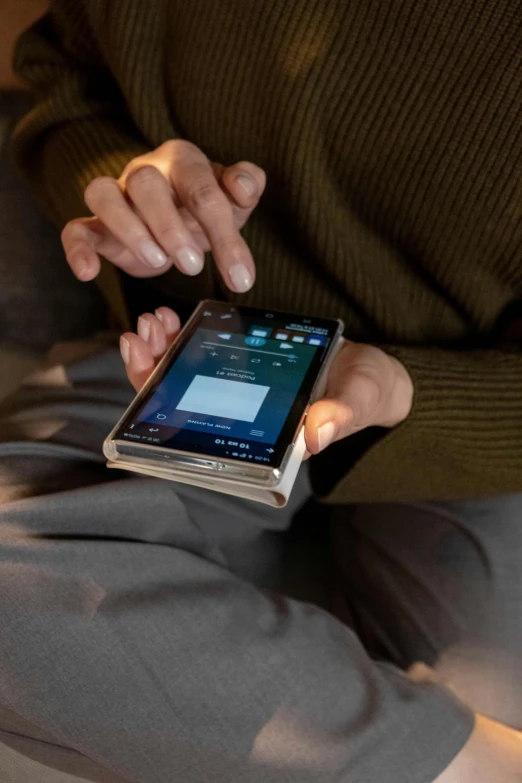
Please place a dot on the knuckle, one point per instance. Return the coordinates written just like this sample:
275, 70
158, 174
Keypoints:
141, 177
167, 230
230, 245
205, 197
141, 160
184, 147
182, 153
176, 147
168, 145
98, 189
72, 232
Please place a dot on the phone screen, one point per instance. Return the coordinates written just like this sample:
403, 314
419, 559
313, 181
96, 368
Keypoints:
237, 385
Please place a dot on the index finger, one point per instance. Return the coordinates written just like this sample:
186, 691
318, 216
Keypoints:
202, 196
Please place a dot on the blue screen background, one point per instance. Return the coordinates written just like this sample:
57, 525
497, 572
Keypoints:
209, 355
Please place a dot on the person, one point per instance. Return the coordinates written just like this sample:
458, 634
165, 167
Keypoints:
353, 160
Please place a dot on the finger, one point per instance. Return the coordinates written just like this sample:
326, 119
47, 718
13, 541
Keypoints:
245, 183
85, 239
152, 331
351, 402
170, 321
79, 242
202, 196
152, 195
105, 199
327, 421
237, 192
139, 362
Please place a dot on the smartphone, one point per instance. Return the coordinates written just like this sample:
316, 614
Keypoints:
229, 398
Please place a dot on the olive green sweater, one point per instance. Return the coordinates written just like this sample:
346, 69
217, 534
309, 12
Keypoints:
391, 136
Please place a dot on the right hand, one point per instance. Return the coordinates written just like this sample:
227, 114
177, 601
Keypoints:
168, 208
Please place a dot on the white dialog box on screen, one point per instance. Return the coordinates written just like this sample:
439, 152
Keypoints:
224, 399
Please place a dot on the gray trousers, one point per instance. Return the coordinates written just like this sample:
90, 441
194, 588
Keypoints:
155, 633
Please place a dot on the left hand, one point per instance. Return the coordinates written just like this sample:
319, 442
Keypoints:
365, 388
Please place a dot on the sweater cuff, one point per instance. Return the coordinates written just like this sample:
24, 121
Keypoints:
463, 437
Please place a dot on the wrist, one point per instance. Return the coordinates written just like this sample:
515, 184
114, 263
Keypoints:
401, 396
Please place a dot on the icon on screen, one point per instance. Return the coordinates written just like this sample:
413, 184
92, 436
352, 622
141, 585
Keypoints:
285, 346
298, 338
281, 336
160, 416
207, 313
224, 317
270, 451
154, 430
260, 331
316, 339
224, 336
257, 433
276, 364
255, 361
255, 342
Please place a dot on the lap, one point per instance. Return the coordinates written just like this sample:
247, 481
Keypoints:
441, 584
133, 634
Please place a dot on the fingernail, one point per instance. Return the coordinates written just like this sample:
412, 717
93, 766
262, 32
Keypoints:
247, 184
325, 434
152, 254
190, 260
82, 266
158, 315
125, 349
143, 328
240, 278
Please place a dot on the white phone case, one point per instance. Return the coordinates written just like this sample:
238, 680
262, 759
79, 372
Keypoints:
276, 495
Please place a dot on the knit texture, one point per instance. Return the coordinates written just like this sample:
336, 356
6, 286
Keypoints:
391, 137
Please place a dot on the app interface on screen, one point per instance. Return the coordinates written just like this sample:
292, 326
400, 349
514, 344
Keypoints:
232, 387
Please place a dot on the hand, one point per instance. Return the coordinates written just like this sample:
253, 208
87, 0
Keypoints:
168, 208
142, 351
365, 388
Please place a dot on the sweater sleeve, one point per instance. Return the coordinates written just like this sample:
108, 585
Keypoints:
79, 127
463, 438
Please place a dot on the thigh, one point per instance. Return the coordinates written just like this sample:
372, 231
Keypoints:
129, 639
441, 584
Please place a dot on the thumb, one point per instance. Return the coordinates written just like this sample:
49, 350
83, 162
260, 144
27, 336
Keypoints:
327, 421
347, 408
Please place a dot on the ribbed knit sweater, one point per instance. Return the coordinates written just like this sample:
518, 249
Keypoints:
391, 137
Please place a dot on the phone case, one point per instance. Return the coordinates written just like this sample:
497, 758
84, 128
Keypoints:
276, 495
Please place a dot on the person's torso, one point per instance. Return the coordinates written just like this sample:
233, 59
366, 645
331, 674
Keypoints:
390, 134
